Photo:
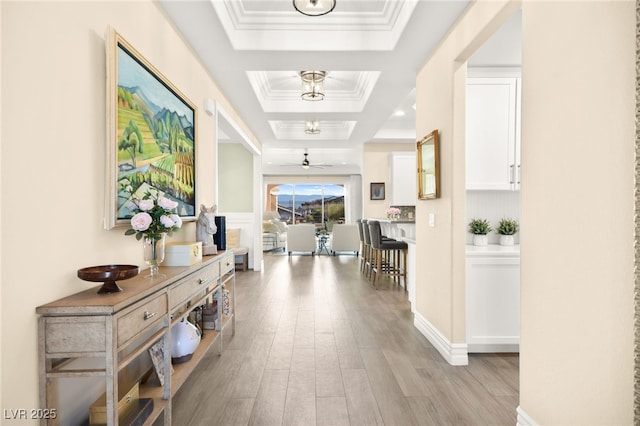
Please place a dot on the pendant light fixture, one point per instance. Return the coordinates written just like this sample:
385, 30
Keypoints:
312, 85
314, 7
312, 127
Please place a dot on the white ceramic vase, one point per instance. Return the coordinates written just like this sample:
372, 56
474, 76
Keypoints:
506, 240
185, 338
480, 240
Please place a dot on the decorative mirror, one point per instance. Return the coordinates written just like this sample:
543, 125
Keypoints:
429, 167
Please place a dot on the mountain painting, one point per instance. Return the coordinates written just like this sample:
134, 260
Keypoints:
155, 137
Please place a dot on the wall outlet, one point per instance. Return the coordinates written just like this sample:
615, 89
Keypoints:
432, 220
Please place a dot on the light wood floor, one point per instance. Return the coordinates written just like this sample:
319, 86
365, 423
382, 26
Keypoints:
316, 344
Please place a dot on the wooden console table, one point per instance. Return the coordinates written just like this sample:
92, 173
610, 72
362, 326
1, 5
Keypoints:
118, 329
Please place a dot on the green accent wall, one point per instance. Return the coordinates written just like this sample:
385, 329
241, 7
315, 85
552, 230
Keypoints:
235, 174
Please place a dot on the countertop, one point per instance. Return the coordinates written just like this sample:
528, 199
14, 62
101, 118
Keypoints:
493, 250
385, 220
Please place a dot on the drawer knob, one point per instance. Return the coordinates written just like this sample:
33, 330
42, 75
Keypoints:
149, 315
202, 281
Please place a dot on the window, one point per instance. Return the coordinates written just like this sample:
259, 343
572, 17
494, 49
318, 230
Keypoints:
322, 204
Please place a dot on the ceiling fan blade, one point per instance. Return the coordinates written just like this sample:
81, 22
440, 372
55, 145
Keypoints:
307, 164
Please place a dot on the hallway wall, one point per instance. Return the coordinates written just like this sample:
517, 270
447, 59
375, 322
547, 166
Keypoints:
53, 157
577, 203
578, 136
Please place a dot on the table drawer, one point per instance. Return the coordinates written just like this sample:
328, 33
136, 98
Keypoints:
227, 264
75, 334
199, 281
141, 318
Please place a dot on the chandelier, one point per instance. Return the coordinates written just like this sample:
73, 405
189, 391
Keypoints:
312, 83
314, 7
312, 127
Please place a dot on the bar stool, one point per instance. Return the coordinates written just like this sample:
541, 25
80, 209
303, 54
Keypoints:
364, 252
386, 255
367, 242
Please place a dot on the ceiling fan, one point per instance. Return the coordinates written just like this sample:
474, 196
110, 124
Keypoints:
306, 164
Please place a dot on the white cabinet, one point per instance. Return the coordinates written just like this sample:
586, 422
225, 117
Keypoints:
403, 178
493, 133
493, 299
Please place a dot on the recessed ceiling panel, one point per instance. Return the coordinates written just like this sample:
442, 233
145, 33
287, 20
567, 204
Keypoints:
276, 25
295, 130
345, 91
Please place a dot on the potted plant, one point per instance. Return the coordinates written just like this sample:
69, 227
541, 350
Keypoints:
480, 228
506, 229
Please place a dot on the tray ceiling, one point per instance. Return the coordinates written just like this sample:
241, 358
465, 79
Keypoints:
371, 51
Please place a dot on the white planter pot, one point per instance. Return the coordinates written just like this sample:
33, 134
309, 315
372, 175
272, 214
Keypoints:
480, 240
506, 240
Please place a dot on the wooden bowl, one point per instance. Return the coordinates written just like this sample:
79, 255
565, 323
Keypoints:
108, 275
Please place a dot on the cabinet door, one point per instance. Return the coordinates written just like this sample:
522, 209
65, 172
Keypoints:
493, 304
491, 133
403, 178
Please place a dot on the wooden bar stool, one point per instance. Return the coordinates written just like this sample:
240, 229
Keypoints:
367, 242
388, 257
364, 252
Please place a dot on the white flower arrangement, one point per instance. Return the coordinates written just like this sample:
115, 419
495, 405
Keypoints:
154, 215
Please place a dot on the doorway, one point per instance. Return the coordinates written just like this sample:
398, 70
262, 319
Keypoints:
492, 176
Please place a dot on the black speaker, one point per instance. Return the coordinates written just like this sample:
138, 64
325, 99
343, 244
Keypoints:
220, 237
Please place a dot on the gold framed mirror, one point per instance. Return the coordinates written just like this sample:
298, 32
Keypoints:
428, 167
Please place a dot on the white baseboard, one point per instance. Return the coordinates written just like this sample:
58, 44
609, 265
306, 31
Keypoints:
473, 348
453, 353
524, 419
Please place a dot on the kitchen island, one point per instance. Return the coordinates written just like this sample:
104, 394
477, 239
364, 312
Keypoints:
398, 229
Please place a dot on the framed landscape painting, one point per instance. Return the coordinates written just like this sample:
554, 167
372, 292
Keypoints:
152, 139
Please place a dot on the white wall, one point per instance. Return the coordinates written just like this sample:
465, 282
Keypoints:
576, 359
53, 164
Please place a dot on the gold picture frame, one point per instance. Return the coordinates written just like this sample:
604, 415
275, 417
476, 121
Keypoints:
151, 136
429, 167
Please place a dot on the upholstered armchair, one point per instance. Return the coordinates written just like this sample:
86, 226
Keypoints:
301, 237
345, 237
274, 231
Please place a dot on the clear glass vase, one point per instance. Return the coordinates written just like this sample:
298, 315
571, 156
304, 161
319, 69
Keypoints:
154, 254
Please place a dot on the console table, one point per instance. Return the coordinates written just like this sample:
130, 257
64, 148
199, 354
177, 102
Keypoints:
118, 329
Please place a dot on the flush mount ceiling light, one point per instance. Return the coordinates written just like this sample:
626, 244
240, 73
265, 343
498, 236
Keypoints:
314, 7
312, 127
312, 82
